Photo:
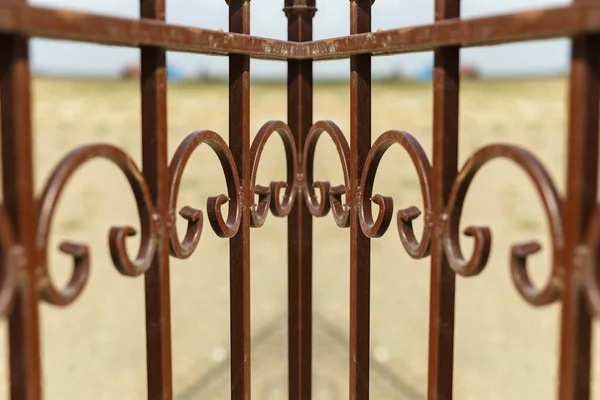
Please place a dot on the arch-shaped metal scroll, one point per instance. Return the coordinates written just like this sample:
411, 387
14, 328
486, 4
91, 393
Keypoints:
377, 227
331, 197
549, 195
7, 266
223, 228
591, 269
80, 252
271, 196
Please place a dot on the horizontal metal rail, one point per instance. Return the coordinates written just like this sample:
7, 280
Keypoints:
85, 27
93, 28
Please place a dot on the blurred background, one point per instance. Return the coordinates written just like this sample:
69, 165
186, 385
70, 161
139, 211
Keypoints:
95, 349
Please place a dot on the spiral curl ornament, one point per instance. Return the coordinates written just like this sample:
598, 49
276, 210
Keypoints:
8, 264
375, 228
482, 235
589, 257
224, 228
330, 196
271, 196
117, 236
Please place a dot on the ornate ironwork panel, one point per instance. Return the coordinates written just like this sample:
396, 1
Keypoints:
573, 216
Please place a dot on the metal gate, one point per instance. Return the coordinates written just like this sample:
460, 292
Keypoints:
26, 218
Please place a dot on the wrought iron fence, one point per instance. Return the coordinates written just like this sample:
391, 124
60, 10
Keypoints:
25, 219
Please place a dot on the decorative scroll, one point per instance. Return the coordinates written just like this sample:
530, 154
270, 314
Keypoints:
588, 260
80, 252
376, 228
280, 198
7, 264
330, 197
224, 228
482, 235
271, 196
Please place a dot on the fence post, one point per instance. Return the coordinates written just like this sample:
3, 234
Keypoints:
19, 199
360, 245
239, 248
445, 165
300, 118
581, 190
155, 169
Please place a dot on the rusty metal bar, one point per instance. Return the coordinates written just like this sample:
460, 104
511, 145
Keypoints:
582, 175
91, 28
156, 174
300, 118
19, 200
509, 28
360, 245
445, 164
239, 143
532, 25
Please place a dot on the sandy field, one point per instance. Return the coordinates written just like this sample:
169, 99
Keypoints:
95, 348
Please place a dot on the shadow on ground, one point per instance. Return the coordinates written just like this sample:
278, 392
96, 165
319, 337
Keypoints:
330, 376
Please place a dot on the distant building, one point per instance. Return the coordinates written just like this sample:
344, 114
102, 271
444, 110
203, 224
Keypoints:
130, 72
133, 72
425, 73
467, 71
174, 73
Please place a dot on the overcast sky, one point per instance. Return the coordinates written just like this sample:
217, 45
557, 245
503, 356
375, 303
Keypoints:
268, 20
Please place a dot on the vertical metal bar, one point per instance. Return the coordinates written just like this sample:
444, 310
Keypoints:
445, 164
360, 245
582, 174
239, 250
19, 199
300, 117
155, 169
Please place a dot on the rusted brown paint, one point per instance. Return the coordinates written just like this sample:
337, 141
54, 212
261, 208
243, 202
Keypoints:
360, 245
153, 85
509, 28
580, 203
47, 203
8, 264
330, 198
300, 118
445, 158
279, 197
300, 8
239, 253
552, 204
20, 205
375, 228
24, 227
485, 31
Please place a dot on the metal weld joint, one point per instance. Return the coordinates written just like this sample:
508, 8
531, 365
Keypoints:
300, 8
300, 181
